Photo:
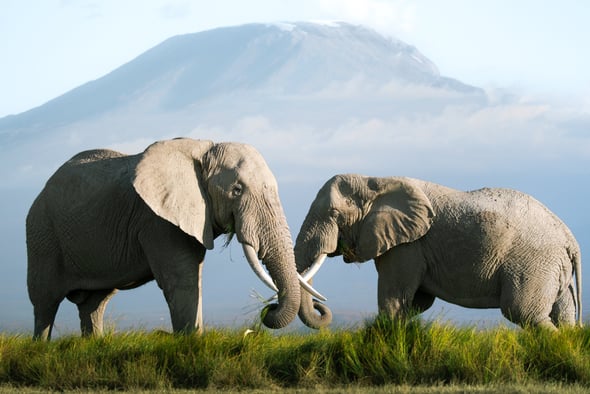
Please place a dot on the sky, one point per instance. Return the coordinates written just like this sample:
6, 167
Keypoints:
539, 47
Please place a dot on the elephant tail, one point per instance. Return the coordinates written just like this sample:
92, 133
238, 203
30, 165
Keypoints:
576, 260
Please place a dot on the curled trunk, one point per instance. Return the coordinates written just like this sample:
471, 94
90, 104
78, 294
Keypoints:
308, 306
282, 313
276, 252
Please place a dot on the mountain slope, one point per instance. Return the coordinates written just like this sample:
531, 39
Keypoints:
277, 59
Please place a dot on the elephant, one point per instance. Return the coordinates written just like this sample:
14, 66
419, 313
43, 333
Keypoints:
106, 221
486, 248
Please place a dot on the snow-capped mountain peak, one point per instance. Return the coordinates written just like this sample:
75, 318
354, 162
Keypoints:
285, 59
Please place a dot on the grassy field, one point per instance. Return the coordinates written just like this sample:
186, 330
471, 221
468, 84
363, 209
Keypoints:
383, 356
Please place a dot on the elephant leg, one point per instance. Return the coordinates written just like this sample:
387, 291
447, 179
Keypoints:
44, 313
44, 283
528, 303
91, 307
45, 295
186, 305
564, 309
399, 276
199, 324
176, 261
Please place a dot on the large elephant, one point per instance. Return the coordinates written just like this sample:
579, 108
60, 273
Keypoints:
107, 221
488, 248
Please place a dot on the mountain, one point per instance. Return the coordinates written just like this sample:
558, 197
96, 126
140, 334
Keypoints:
288, 59
253, 76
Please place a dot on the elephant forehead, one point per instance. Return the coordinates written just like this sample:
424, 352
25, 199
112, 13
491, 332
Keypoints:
342, 200
239, 155
247, 165
251, 166
254, 172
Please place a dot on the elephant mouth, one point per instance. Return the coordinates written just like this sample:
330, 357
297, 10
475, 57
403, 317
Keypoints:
346, 250
348, 259
335, 253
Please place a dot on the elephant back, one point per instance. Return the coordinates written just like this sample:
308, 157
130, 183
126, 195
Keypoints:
89, 173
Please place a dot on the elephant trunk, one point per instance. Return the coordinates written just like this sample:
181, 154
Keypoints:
307, 312
276, 253
308, 306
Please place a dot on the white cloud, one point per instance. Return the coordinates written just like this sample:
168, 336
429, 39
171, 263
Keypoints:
496, 139
175, 10
387, 16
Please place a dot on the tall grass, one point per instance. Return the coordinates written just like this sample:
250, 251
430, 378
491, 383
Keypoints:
381, 353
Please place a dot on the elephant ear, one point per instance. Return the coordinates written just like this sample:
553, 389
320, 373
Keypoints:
168, 178
400, 214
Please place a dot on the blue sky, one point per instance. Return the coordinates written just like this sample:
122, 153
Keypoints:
535, 48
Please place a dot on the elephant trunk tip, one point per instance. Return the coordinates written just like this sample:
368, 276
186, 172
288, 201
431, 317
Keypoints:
272, 316
312, 320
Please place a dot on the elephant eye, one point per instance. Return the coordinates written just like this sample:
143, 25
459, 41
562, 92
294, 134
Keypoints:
237, 190
333, 212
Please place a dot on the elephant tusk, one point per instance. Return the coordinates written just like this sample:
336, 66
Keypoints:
310, 289
257, 267
314, 267
313, 292
265, 277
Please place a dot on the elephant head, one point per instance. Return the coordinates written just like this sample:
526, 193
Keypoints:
209, 189
359, 218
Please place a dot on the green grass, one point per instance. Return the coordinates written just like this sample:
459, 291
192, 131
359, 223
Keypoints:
381, 354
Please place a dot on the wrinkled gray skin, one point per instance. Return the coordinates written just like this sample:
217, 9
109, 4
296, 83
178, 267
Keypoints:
488, 248
107, 221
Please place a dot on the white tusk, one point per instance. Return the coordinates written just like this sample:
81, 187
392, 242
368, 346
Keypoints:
307, 287
265, 277
314, 267
257, 267
310, 289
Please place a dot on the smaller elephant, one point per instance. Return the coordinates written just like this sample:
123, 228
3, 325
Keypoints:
106, 221
487, 248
